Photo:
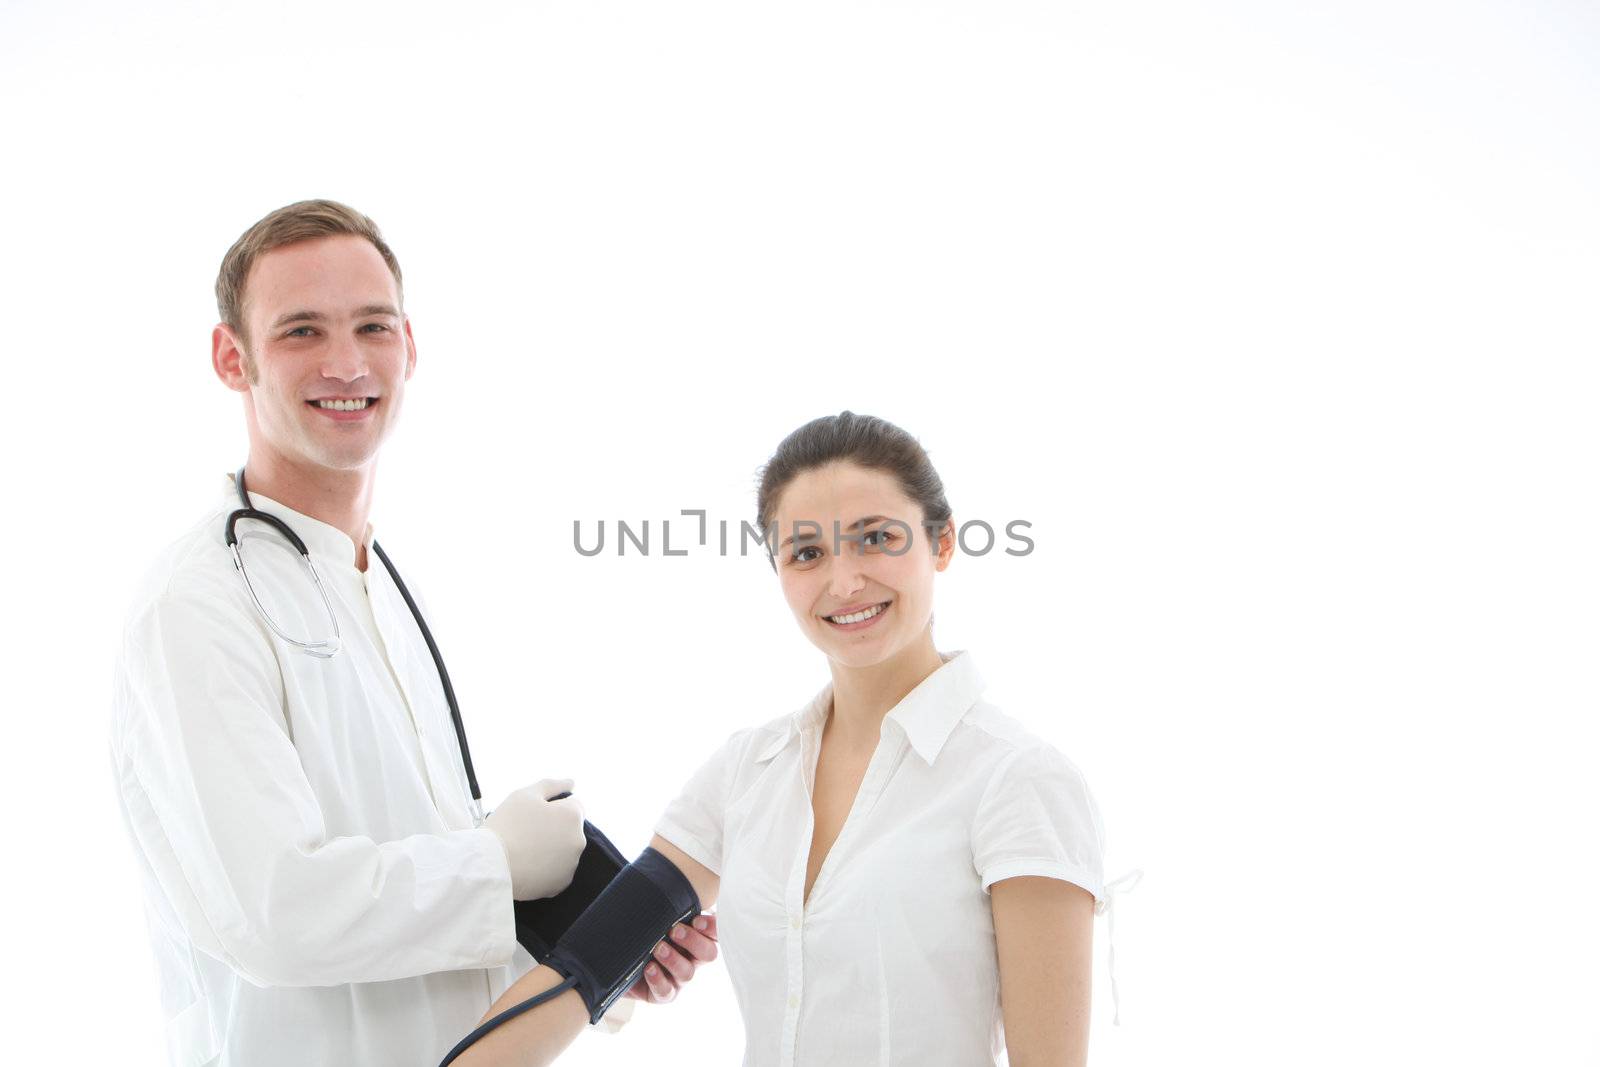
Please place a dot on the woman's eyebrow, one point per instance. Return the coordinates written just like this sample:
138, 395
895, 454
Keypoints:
858, 524
806, 539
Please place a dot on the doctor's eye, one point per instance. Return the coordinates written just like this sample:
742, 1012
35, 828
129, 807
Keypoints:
379, 325
296, 332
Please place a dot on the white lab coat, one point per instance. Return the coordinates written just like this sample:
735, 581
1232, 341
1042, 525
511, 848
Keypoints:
315, 888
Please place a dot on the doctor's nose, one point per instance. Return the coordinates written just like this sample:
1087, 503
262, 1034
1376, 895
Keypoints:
344, 359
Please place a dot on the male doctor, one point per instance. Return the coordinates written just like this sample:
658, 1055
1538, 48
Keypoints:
318, 886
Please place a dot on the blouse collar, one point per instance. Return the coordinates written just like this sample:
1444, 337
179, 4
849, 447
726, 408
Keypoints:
927, 715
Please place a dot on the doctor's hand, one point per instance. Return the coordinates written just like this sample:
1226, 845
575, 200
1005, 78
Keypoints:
543, 838
676, 959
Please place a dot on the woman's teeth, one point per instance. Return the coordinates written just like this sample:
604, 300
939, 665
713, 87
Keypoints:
860, 616
343, 405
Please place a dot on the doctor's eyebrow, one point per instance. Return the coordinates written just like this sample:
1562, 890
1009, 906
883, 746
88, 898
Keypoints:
858, 524
307, 315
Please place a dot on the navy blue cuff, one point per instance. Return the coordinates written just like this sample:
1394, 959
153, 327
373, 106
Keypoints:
606, 948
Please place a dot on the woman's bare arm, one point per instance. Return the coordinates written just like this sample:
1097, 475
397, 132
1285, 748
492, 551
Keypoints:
664, 975
536, 1037
705, 881
1044, 936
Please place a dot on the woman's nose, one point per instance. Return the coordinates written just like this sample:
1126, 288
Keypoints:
845, 577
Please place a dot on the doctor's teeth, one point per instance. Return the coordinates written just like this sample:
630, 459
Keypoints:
860, 616
342, 405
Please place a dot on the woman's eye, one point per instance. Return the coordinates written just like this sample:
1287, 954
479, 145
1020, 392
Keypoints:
801, 557
877, 538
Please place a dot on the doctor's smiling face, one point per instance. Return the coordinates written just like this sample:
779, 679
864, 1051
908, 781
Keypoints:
323, 355
872, 600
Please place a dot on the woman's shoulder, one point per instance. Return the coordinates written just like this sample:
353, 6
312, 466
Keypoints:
993, 737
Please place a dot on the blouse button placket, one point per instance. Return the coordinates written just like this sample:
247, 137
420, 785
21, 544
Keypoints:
794, 905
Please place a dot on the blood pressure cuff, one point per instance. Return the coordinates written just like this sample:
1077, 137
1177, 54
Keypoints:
540, 923
606, 947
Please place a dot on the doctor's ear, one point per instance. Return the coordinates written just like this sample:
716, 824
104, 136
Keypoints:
230, 360
411, 350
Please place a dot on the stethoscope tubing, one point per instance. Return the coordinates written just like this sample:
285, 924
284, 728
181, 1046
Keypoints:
319, 649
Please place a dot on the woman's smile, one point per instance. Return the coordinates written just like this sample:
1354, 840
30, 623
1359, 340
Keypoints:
858, 618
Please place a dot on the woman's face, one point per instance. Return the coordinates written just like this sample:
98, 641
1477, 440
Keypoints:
871, 597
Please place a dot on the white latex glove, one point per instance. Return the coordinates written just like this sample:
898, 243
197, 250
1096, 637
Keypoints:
543, 838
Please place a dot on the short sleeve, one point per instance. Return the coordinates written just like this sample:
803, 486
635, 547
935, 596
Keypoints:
694, 821
1037, 817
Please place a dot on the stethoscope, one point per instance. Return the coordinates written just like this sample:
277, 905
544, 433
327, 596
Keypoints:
327, 649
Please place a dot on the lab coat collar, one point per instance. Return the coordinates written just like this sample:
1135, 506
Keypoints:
928, 714
327, 544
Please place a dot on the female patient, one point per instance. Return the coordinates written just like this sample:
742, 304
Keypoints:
901, 866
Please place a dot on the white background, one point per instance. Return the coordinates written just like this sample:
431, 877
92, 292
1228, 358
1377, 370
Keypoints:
1276, 320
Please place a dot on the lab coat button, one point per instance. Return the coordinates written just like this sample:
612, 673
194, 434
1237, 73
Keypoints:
794, 1002
794, 922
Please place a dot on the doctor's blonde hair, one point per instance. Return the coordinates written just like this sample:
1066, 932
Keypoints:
304, 220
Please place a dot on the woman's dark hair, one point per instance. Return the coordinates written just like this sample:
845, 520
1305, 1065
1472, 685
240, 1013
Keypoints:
864, 440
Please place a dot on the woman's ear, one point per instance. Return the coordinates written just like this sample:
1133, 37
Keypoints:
947, 545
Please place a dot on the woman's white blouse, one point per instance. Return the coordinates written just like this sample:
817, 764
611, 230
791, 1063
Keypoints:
892, 960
